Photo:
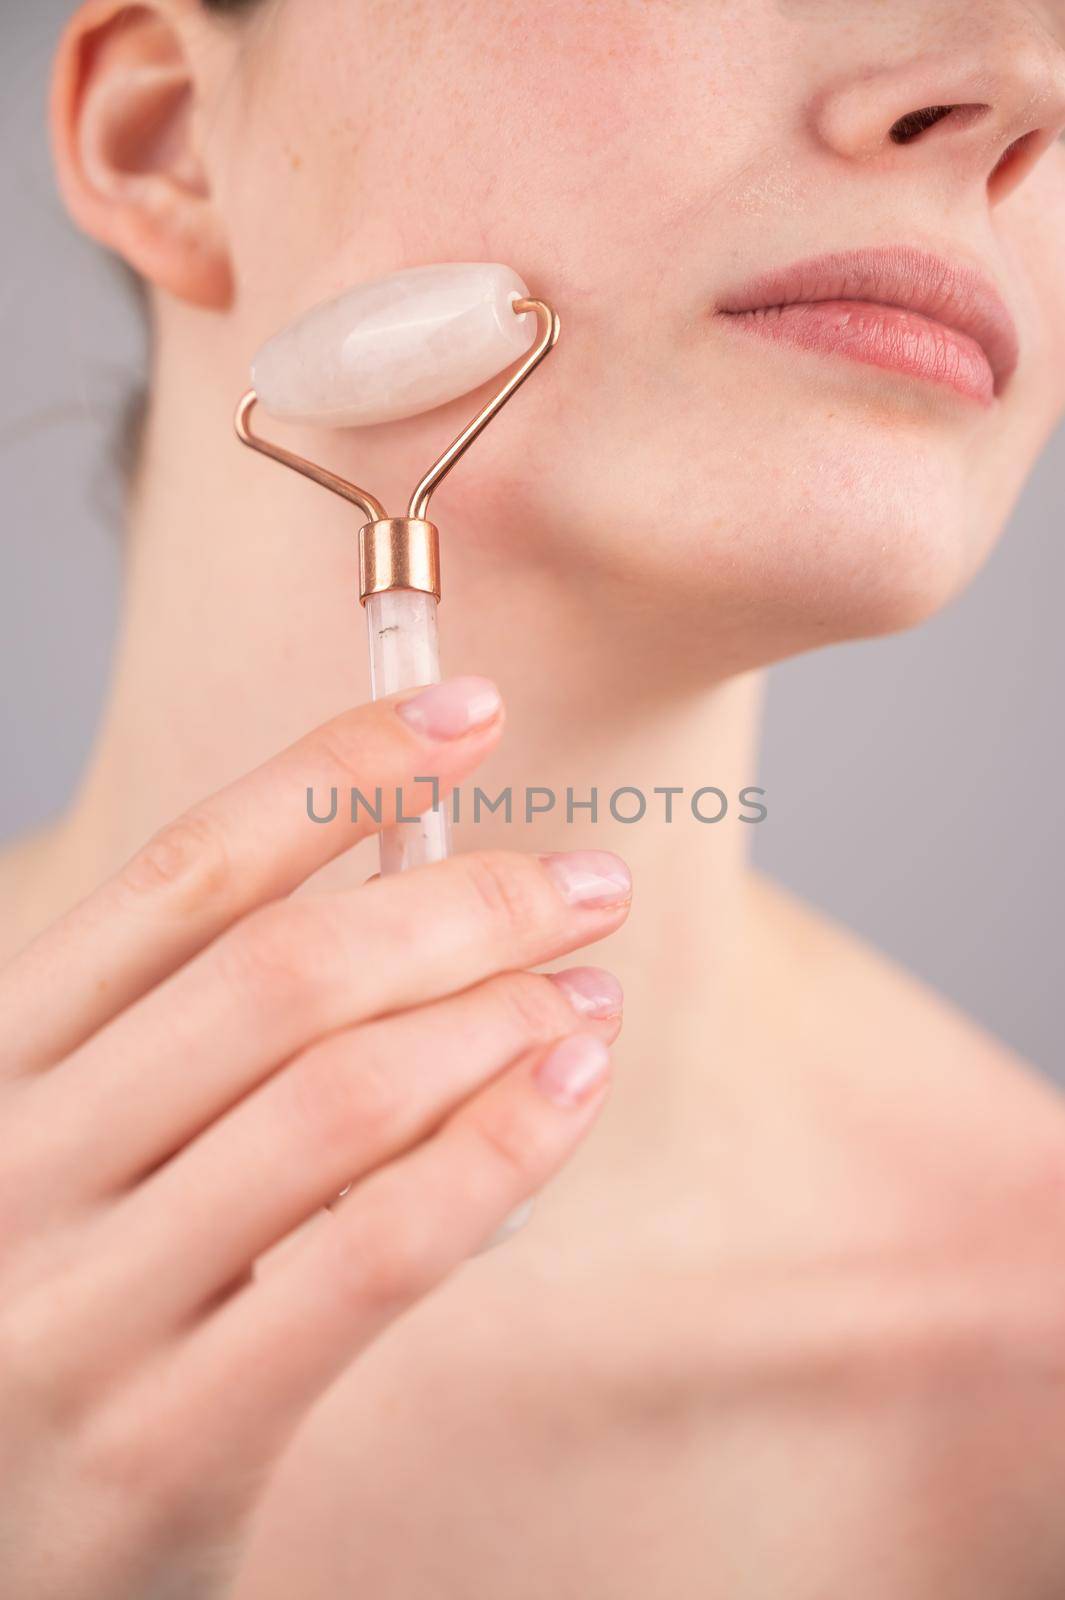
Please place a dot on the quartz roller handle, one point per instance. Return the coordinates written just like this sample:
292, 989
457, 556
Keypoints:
405, 654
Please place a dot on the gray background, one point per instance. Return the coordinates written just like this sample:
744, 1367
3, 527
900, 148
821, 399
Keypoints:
914, 782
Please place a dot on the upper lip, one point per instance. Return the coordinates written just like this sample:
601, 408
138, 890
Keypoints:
958, 297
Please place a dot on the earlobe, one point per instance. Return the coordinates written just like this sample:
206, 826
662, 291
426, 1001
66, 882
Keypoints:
124, 129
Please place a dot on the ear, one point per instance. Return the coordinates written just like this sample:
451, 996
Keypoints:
125, 130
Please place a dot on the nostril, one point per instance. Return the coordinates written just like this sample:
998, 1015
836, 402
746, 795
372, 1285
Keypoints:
914, 123
1012, 164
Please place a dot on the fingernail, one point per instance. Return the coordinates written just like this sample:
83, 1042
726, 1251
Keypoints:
448, 710
591, 991
590, 877
573, 1069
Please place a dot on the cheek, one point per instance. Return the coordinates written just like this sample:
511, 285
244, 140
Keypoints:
1031, 240
1033, 244
1037, 240
573, 139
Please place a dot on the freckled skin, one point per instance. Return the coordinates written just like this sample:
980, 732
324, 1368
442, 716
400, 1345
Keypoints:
636, 158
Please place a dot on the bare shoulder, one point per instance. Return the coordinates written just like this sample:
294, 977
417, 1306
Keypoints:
902, 1076
889, 1007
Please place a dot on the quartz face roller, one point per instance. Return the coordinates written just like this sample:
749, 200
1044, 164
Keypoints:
397, 347
381, 352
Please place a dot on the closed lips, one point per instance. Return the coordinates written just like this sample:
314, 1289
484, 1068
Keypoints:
900, 309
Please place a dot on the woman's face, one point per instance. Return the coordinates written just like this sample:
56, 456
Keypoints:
643, 163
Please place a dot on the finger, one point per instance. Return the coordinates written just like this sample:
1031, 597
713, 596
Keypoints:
256, 1364
286, 977
250, 843
341, 1110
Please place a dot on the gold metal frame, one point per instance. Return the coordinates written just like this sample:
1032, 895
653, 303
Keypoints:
403, 552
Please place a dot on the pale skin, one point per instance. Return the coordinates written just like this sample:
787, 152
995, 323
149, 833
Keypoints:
789, 1323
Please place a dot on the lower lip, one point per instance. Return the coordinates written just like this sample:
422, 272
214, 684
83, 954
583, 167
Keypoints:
880, 336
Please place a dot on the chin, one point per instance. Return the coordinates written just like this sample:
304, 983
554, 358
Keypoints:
857, 520
775, 539
855, 578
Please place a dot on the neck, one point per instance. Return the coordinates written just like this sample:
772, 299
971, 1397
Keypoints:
242, 630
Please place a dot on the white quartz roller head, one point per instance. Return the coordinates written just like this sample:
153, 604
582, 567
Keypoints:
396, 347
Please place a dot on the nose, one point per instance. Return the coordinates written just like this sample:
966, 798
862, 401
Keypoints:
977, 115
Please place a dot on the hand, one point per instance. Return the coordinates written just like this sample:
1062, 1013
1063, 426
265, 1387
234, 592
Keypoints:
193, 1064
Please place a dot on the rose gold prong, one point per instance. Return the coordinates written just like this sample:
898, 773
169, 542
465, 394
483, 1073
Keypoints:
371, 509
549, 332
